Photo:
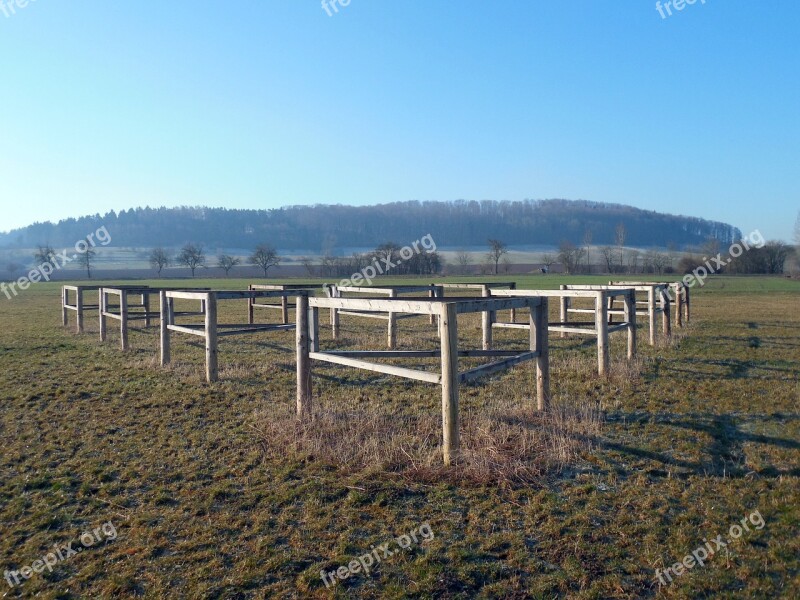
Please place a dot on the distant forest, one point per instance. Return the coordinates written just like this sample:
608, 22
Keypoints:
328, 228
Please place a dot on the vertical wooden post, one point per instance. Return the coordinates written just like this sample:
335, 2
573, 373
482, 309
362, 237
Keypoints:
313, 328
601, 327
146, 305
513, 286
250, 310
432, 295
666, 321
448, 336
392, 342
539, 341
164, 321
678, 287
171, 311
610, 308
211, 336
64, 302
333, 292
285, 309
486, 321
304, 398
102, 309
563, 304
123, 319
686, 300
630, 318
651, 313
79, 311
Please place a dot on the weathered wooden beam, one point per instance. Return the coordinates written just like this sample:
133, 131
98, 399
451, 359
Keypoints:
211, 337
123, 320
449, 380
601, 326
164, 329
486, 322
494, 367
540, 344
199, 330
102, 310
304, 394
404, 372
630, 318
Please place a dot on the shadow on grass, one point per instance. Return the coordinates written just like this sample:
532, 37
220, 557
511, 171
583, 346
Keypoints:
725, 453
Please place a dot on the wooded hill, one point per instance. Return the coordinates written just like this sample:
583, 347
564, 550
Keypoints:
326, 228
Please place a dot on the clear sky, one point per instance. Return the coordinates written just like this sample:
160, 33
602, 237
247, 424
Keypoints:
250, 104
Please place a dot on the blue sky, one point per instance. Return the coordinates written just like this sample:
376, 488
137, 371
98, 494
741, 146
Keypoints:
111, 105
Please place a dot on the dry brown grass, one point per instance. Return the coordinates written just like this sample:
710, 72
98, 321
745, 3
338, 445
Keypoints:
502, 441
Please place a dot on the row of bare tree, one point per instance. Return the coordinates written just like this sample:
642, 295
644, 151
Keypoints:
193, 257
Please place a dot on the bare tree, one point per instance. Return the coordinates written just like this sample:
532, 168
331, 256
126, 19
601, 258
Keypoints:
43, 254
548, 260
570, 256
309, 266
159, 259
463, 259
608, 256
776, 254
660, 262
86, 258
633, 260
266, 257
620, 234
587, 241
497, 250
192, 256
328, 265
227, 262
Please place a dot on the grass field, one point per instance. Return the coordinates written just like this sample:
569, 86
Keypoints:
214, 492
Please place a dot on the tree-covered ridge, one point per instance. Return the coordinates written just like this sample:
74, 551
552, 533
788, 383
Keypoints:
325, 228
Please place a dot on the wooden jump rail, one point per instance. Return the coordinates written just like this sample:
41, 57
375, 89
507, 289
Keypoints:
485, 288
657, 303
284, 305
212, 330
124, 313
681, 300
80, 306
392, 292
600, 328
448, 377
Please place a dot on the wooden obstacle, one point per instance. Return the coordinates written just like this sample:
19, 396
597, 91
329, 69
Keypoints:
657, 302
212, 330
391, 292
80, 306
284, 305
679, 298
599, 328
125, 311
485, 288
448, 377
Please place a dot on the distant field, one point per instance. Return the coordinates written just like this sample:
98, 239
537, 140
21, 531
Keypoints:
214, 493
